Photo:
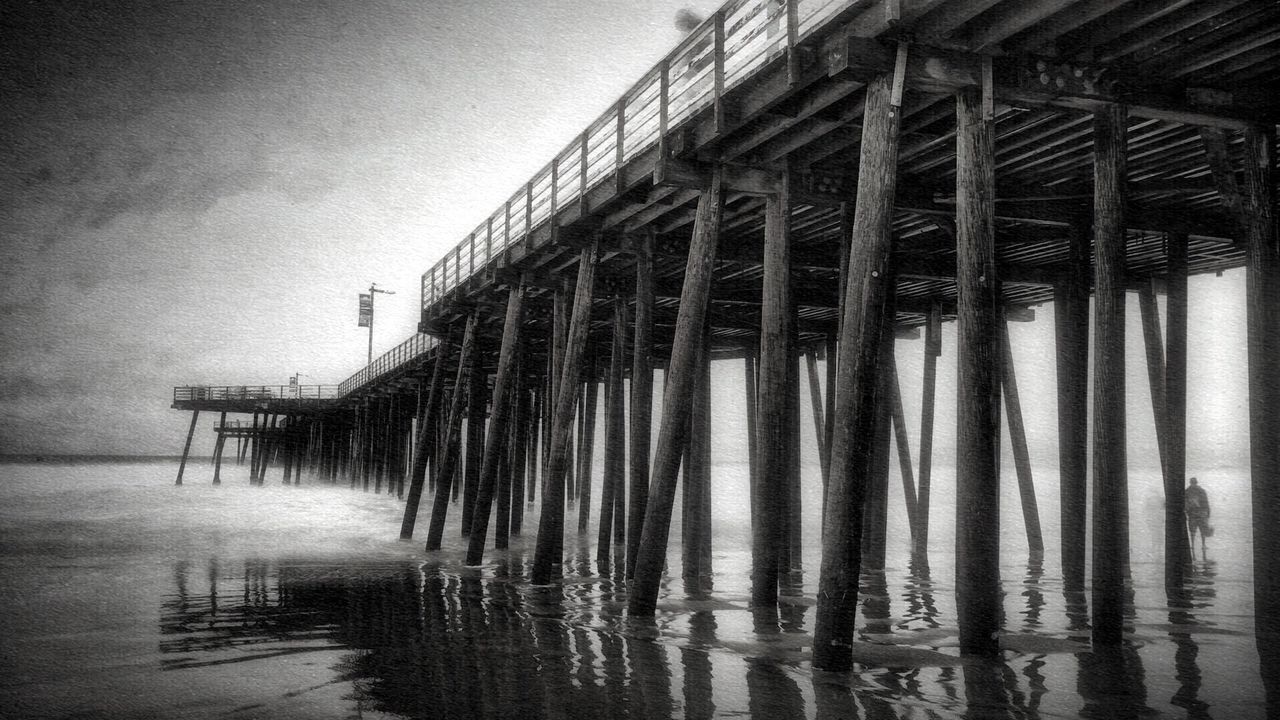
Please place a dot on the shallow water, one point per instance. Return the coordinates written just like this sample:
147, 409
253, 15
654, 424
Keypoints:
127, 597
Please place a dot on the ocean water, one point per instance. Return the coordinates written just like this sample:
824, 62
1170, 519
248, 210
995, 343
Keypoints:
127, 597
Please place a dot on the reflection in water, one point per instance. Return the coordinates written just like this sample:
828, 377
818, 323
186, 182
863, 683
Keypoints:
985, 691
874, 594
1076, 603
1112, 684
442, 641
771, 692
696, 661
921, 612
1196, 592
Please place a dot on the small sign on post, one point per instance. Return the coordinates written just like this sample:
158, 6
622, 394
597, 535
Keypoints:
366, 310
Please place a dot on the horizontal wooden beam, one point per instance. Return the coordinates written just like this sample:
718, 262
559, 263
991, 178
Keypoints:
1033, 81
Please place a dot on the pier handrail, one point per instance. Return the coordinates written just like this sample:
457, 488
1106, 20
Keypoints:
192, 393
726, 49
415, 347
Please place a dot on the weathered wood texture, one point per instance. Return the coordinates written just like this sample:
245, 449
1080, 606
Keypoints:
773, 433
477, 410
1071, 333
678, 385
695, 519
903, 445
641, 398
498, 434
449, 454
1109, 456
1177, 549
932, 349
977, 382
550, 548
422, 449
862, 322
1263, 305
612, 524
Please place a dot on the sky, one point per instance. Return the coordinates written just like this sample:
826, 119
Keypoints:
195, 192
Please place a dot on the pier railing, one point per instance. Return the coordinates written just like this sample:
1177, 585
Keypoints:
229, 393
724, 51
415, 347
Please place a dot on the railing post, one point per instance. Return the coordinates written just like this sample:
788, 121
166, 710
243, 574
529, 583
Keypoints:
620, 151
793, 31
528, 215
582, 173
488, 240
718, 73
664, 92
506, 227
471, 251
555, 190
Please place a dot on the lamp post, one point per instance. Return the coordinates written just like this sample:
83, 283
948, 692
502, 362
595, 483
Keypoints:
366, 315
295, 385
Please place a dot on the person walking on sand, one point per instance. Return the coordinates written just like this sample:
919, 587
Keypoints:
1197, 508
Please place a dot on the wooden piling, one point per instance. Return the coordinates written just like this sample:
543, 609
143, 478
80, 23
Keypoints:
1018, 440
586, 446
978, 352
862, 322
750, 373
378, 446
1071, 333
613, 486
816, 403
286, 448
537, 439
773, 436
1109, 461
494, 448
1262, 295
217, 450
560, 311
641, 398
426, 433
445, 469
929, 383
1177, 548
790, 556
903, 445
477, 405
520, 431
550, 547
875, 524
695, 519
678, 385
186, 448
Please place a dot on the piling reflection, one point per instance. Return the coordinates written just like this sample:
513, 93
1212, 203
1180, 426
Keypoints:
443, 641
1112, 683
921, 610
985, 691
874, 594
1196, 593
695, 660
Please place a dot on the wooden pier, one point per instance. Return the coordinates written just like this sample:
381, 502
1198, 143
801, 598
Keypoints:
800, 182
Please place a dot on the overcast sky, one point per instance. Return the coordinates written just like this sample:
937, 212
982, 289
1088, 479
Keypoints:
195, 192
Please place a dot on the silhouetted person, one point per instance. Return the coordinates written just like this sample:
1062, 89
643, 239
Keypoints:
1197, 506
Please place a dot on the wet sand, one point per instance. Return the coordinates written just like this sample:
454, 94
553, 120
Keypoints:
126, 597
